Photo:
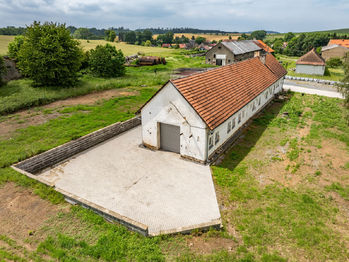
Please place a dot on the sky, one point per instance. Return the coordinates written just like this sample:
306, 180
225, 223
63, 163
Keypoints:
227, 15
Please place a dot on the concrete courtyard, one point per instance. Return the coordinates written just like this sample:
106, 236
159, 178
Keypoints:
155, 188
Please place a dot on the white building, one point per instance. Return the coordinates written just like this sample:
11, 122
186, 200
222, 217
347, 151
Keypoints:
195, 115
311, 64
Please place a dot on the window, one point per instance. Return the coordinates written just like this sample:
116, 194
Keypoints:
210, 142
266, 94
214, 55
233, 123
259, 101
243, 114
253, 106
219, 47
216, 138
229, 127
239, 118
228, 60
209, 59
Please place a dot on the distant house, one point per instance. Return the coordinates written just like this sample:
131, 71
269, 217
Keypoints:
225, 53
203, 47
166, 45
341, 42
195, 116
311, 64
335, 48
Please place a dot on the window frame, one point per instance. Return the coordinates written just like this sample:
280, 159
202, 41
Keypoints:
216, 138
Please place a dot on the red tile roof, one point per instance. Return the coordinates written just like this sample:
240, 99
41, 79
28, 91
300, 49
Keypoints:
263, 45
341, 42
311, 58
219, 93
275, 66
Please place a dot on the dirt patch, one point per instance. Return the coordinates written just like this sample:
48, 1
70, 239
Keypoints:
41, 115
22, 212
208, 245
90, 99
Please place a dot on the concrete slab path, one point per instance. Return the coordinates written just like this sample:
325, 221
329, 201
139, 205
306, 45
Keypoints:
313, 90
155, 188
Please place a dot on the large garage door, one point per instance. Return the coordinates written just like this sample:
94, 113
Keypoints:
169, 137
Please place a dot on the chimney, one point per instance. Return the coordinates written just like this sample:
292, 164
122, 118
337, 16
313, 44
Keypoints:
262, 58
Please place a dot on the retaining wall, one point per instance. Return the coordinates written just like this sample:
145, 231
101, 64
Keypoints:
51, 157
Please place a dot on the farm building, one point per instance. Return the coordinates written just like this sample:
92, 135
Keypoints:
197, 115
335, 48
231, 51
311, 64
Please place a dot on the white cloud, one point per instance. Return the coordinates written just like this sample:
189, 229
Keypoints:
233, 15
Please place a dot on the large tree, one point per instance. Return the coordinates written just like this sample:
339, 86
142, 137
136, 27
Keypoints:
49, 55
259, 34
106, 61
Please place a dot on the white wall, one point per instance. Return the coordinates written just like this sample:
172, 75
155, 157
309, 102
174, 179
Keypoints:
169, 107
310, 69
246, 113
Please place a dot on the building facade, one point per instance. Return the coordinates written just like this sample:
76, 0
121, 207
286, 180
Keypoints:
225, 53
311, 64
196, 115
333, 51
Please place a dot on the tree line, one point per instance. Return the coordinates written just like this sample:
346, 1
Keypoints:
293, 45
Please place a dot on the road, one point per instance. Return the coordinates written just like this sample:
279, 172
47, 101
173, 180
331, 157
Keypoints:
313, 90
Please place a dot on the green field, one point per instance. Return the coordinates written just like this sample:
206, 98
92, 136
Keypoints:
90, 44
277, 205
4, 41
283, 188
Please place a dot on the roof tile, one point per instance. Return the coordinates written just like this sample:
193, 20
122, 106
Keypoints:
311, 58
219, 93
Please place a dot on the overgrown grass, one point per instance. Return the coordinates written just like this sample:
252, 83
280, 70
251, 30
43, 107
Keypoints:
19, 94
272, 215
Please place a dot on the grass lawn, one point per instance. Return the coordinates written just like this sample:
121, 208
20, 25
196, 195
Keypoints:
289, 62
282, 190
20, 94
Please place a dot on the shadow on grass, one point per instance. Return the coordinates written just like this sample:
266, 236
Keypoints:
255, 129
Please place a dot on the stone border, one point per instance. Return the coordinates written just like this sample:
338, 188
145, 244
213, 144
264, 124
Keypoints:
106, 213
307, 79
53, 156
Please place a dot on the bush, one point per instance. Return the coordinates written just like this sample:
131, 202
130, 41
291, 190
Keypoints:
334, 62
49, 55
14, 46
2, 70
106, 61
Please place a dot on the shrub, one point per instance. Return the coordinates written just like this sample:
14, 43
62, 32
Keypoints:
334, 62
49, 55
2, 70
106, 61
14, 46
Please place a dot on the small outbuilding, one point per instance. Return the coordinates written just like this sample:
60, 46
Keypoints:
311, 64
195, 116
228, 52
334, 50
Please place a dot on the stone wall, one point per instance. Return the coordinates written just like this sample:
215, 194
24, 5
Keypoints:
51, 157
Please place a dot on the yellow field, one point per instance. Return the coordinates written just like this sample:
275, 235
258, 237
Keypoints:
209, 37
126, 49
4, 40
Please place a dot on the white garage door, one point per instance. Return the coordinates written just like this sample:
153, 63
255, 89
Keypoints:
169, 137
